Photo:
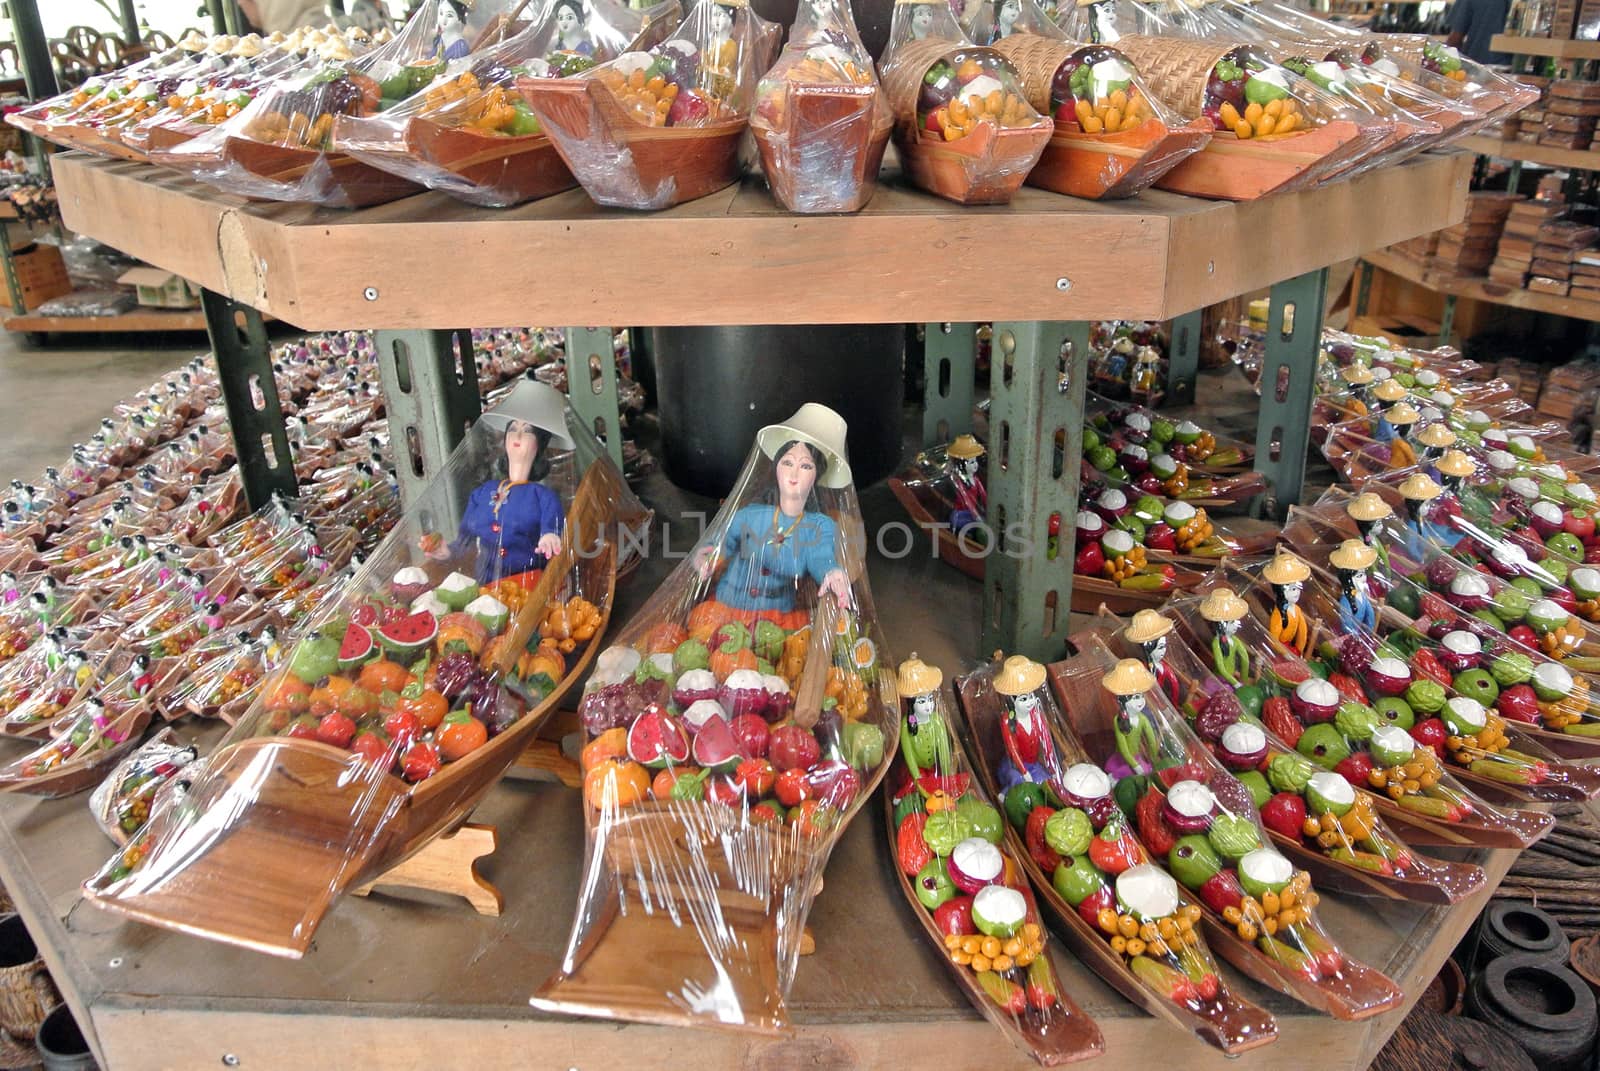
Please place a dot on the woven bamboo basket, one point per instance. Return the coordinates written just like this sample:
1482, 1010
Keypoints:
26, 991
983, 168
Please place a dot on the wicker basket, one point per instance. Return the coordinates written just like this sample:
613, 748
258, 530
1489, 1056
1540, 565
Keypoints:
1036, 59
41, 275
902, 82
1177, 71
26, 992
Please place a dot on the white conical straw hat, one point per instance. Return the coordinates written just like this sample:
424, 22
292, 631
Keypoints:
818, 425
536, 403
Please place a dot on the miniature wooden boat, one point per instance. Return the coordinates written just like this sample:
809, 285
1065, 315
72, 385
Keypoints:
1228, 1022
623, 163
87, 765
1352, 993
1228, 169
826, 155
305, 805
508, 170
100, 140
334, 179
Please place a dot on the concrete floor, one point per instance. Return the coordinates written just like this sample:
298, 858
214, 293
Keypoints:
54, 395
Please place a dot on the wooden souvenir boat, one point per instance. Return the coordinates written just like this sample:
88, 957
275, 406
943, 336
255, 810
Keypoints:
333, 179
99, 139
1101, 166
512, 169
307, 808
1352, 993
1225, 456
1424, 881
1228, 1022
623, 163
926, 506
1076, 1037
825, 154
1507, 829
42, 716
89, 763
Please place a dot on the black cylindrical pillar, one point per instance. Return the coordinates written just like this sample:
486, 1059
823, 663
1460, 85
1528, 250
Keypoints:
717, 386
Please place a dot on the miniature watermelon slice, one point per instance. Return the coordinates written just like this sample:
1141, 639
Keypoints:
657, 739
1289, 672
356, 647
715, 747
409, 636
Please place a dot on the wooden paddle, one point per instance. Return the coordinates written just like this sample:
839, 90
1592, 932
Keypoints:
812, 686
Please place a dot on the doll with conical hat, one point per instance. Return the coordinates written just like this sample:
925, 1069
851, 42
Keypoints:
1434, 439
965, 457
1224, 611
1418, 492
1149, 630
1024, 729
1358, 380
1402, 417
1351, 560
1137, 741
1369, 511
1288, 574
924, 736
1387, 394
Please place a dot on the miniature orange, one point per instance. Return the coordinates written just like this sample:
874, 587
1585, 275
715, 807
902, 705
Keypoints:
661, 787
611, 744
430, 708
383, 676
289, 693
614, 783
665, 638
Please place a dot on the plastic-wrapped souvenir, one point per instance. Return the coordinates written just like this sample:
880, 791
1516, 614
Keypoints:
35, 696
1112, 136
963, 124
733, 729
651, 129
471, 134
279, 148
220, 676
821, 120
122, 803
963, 877
1274, 130
405, 697
1087, 866
96, 730
1223, 648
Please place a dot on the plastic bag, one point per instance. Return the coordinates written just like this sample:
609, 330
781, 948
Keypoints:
821, 120
1087, 865
278, 147
950, 845
655, 128
963, 125
413, 687
734, 727
471, 135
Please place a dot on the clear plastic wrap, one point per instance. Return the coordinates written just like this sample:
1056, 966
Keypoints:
1199, 447
821, 119
951, 842
472, 135
1225, 648
1113, 137
654, 128
1503, 95
122, 803
963, 125
1087, 866
278, 147
1274, 130
733, 728
414, 686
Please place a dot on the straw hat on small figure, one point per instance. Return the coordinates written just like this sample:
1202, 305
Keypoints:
1351, 560
924, 736
1025, 729
1225, 612
1288, 574
1149, 630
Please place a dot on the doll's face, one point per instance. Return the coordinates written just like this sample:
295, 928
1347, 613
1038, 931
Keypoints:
921, 20
522, 445
1291, 593
1157, 650
567, 21
1230, 629
448, 19
967, 467
1133, 705
1025, 706
1009, 12
797, 473
923, 706
721, 20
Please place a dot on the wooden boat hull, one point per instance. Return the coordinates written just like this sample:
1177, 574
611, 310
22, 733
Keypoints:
986, 167
1228, 169
1231, 1024
826, 155
623, 163
102, 141
501, 171
86, 769
334, 179
1104, 167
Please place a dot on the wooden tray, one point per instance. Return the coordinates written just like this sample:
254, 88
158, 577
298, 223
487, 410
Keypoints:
100, 140
826, 156
1228, 169
340, 180
1104, 167
986, 167
305, 806
1229, 1022
623, 163
505, 170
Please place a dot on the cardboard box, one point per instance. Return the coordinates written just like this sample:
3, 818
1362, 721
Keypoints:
158, 288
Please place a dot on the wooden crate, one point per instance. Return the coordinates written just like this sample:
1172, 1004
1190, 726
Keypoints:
41, 274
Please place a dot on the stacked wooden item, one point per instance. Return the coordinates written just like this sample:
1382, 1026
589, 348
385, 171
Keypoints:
1586, 275
1559, 244
1514, 255
1570, 390
1527, 124
1560, 873
1570, 112
1468, 247
1523, 376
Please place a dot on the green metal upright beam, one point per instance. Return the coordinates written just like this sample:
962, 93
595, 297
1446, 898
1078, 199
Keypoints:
592, 384
130, 23
1364, 286
1183, 358
430, 393
1447, 319
244, 367
1037, 380
9, 264
1288, 387
950, 356
33, 50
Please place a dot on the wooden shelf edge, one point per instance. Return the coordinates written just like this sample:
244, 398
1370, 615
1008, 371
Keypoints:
1557, 48
1481, 289
136, 320
1571, 159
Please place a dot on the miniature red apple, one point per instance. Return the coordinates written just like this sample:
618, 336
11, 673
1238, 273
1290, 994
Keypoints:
1355, 769
1221, 891
1285, 813
955, 916
1160, 536
1519, 703
1430, 733
1090, 560
1525, 636
1089, 907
